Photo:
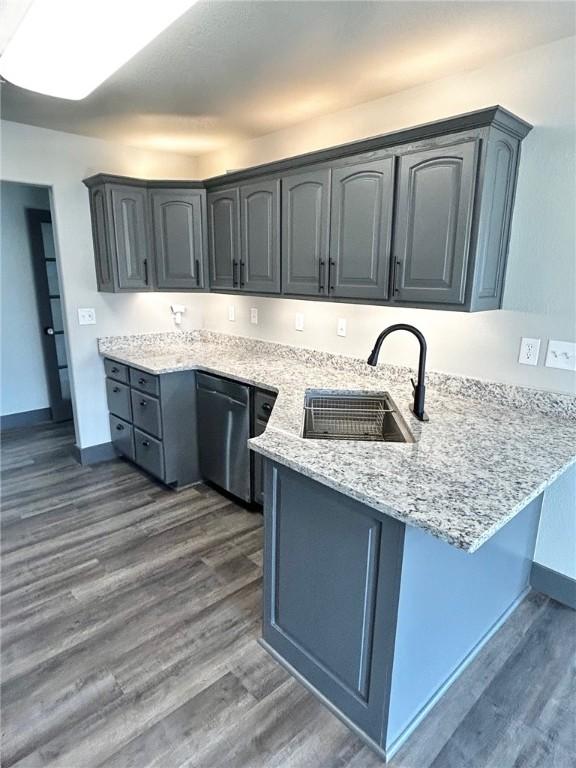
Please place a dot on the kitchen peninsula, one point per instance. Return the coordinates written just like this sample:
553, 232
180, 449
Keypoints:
387, 565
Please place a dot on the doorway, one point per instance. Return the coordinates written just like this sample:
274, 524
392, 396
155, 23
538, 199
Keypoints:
34, 374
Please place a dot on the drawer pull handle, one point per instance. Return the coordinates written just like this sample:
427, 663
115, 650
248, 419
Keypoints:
116, 389
146, 443
114, 370
143, 403
266, 407
141, 381
119, 427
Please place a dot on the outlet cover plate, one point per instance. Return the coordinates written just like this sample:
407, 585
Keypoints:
86, 316
561, 354
254, 316
529, 351
299, 321
231, 313
341, 328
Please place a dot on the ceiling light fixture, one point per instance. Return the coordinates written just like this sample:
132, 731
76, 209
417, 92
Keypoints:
66, 48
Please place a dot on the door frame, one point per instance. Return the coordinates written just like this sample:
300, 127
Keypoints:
61, 409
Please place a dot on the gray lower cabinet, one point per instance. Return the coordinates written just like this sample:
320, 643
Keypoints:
259, 268
361, 229
332, 571
433, 223
224, 238
306, 233
153, 421
121, 237
179, 233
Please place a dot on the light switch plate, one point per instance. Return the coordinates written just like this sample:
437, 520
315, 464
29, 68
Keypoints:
254, 316
341, 329
561, 354
529, 351
86, 316
231, 313
299, 321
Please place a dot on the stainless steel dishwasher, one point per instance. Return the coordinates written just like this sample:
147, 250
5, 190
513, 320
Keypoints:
224, 429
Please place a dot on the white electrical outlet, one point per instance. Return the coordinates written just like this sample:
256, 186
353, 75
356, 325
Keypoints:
231, 313
254, 316
529, 351
561, 354
299, 321
86, 316
341, 329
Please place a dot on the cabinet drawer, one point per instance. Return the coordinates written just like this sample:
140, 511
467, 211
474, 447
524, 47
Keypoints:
116, 370
146, 413
149, 454
145, 382
118, 396
122, 436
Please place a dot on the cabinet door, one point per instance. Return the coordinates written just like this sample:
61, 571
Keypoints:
361, 229
433, 221
178, 229
224, 237
305, 232
129, 212
260, 248
100, 231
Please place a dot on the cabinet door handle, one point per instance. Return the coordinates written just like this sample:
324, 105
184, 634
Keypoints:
266, 407
143, 403
146, 443
142, 381
146, 271
332, 273
234, 273
197, 264
395, 275
242, 268
114, 370
321, 265
119, 427
116, 389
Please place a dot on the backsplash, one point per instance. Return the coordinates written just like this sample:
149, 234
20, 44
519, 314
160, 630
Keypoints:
555, 404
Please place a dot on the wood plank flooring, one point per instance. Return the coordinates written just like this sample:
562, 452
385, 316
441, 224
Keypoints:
130, 619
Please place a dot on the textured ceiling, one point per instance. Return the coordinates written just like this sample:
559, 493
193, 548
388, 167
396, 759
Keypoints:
233, 70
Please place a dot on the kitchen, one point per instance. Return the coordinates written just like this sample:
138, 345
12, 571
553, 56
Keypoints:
230, 316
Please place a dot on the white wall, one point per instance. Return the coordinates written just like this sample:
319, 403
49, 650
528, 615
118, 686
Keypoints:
60, 161
23, 383
556, 544
539, 300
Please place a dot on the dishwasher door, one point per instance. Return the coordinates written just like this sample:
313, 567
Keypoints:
223, 432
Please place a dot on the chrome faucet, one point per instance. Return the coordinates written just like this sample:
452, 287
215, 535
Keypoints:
419, 388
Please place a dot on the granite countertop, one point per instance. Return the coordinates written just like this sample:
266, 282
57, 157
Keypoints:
487, 451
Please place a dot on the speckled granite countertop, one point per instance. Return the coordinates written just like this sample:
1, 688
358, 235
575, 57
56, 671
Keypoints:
487, 451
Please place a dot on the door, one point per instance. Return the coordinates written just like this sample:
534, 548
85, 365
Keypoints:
259, 270
178, 233
129, 207
433, 222
100, 232
305, 233
50, 313
224, 238
362, 197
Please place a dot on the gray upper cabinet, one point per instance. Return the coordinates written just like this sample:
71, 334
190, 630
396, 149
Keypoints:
121, 237
259, 269
305, 233
179, 232
131, 237
224, 238
417, 218
361, 229
433, 225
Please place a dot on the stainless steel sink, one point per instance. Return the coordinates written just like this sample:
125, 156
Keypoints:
330, 415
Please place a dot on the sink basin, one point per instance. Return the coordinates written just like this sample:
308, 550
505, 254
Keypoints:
330, 415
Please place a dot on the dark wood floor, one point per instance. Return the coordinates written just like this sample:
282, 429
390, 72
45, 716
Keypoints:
130, 622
